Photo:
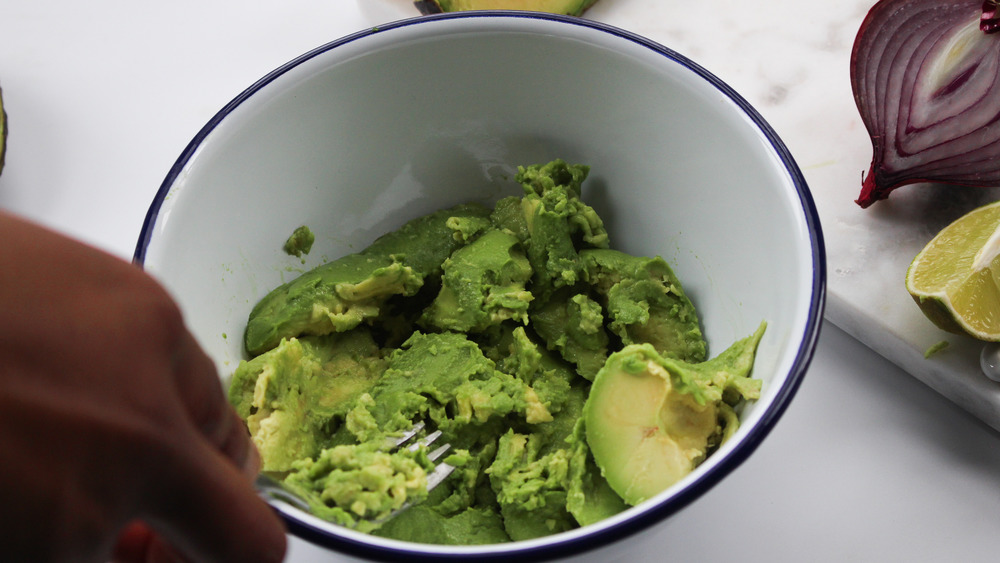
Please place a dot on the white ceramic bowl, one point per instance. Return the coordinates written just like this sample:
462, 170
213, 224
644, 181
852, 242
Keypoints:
364, 133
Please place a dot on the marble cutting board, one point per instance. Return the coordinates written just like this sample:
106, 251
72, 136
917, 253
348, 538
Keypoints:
790, 60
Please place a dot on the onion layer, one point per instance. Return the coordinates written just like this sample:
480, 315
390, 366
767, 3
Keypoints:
926, 80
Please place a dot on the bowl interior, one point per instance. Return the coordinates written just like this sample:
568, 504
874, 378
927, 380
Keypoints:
357, 137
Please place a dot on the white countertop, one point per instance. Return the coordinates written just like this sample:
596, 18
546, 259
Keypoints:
868, 463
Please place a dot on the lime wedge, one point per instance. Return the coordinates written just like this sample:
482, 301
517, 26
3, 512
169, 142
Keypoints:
955, 279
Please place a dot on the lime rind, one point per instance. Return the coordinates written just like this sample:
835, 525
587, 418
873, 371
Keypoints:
955, 279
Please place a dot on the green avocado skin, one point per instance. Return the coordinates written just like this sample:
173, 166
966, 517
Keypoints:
339, 295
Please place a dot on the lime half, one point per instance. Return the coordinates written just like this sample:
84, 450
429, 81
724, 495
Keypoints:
955, 279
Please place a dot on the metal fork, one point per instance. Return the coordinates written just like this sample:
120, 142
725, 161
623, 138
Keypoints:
270, 489
441, 470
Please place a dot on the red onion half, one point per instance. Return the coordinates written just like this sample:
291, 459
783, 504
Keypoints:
926, 80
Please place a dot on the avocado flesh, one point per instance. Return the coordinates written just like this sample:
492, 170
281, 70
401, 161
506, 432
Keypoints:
589, 497
531, 487
650, 420
339, 295
573, 324
444, 377
567, 7
552, 249
483, 285
646, 303
289, 394
424, 524
556, 225
356, 476
541, 303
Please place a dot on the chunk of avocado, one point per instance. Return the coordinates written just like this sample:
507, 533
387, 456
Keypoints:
339, 295
531, 486
573, 324
646, 303
445, 377
483, 285
558, 224
650, 420
567, 7
289, 394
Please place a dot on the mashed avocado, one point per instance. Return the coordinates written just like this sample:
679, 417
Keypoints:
360, 485
518, 333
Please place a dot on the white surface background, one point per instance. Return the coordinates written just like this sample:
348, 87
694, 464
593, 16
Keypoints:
868, 463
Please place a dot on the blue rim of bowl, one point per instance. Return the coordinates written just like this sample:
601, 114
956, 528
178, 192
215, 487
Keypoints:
605, 535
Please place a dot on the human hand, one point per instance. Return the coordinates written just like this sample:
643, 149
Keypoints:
116, 439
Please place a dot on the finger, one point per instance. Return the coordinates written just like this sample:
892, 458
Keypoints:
200, 390
209, 511
133, 543
252, 465
140, 544
200, 387
238, 448
206, 506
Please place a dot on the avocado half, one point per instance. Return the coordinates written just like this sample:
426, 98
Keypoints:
3, 130
567, 7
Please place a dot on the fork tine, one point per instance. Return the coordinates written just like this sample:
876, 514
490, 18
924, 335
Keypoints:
427, 441
440, 473
434, 455
441, 470
409, 434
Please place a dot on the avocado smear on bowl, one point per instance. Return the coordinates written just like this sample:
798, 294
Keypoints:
570, 379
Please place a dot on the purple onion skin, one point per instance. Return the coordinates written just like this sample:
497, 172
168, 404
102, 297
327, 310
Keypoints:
926, 80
